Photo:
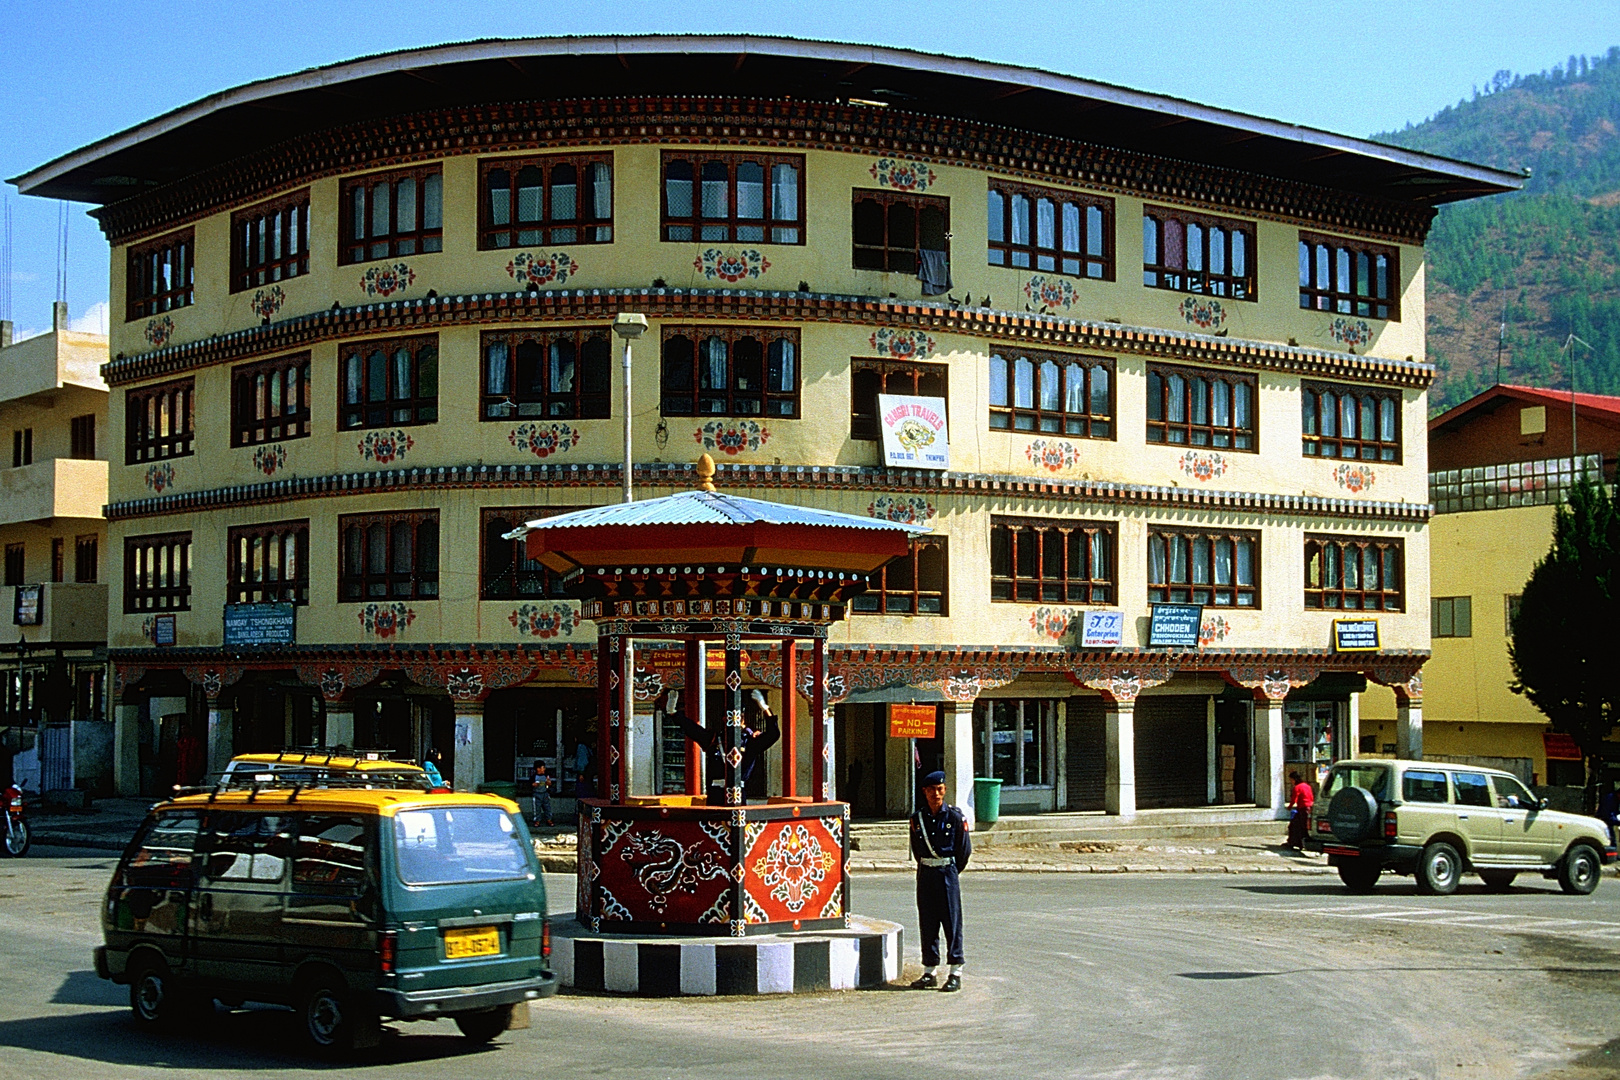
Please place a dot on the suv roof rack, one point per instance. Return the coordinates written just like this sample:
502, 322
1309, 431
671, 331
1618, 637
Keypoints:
316, 777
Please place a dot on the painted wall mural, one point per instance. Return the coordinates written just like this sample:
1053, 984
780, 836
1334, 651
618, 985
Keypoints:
1050, 293
1352, 333
1213, 629
1203, 313
902, 344
160, 477
1050, 622
384, 621
270, 459
385, 446
1355, 478
159, 332
903, 175
545, 620
540, 269
731, 266
543, 440
905, 509
1053, 455
678, 872
266, 302
387, 280
1203, 464
732, 436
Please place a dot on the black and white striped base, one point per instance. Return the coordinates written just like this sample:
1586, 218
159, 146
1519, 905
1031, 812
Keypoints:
865, 956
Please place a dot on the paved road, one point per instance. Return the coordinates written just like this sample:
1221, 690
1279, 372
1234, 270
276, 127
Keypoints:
1183, 976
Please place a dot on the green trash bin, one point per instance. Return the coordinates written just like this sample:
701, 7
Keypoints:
506, 789
986, 800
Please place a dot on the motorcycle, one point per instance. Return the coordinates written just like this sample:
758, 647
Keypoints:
14, 842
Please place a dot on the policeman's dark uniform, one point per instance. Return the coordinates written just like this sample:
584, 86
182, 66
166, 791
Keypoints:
942, 846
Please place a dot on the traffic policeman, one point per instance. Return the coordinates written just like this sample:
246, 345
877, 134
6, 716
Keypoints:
941, 844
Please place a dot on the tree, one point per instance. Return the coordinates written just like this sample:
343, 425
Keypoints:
1566, 634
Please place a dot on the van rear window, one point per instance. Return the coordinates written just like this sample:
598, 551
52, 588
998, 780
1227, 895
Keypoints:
450, 844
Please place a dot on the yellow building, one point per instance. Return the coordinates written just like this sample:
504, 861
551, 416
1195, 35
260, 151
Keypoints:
365, 333
54, 734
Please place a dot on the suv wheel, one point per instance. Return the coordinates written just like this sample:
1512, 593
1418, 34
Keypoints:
1578, 874
1438, 870
1360, 875
1498, 880
486, 1024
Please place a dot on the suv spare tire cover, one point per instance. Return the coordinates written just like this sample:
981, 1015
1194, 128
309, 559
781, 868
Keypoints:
1353, 813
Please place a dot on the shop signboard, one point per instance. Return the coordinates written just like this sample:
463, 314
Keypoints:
914, 432
25, 610
1355, 635
163, 630
911, 721
1102, 629
1176, 624
254, 625
1560, 746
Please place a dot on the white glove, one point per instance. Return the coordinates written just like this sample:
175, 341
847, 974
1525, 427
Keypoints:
759, 699
672, 700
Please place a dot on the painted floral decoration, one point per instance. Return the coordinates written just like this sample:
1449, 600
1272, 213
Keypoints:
543, 440
545, 620
905, 509
1355, 478
385, 620
1051, 622
385, 446
732, 436
1351, 332
1203, 465
1203, 312
159, 331
1050, 292
266, 302
903, 344
160, 477
268, 459
387, 280
1213, 629
794, 866
1053, 455
903, 175
541, 269
731, 266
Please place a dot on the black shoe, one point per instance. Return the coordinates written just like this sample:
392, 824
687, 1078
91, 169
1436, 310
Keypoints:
952, 984
927, 982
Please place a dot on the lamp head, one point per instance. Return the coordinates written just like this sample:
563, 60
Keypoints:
629, 326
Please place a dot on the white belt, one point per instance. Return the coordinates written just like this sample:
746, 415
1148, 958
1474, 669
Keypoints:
936, 863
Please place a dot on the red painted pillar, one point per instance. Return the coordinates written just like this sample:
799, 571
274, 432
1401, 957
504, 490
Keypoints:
604, 706
818, 721
790, 718
697, 670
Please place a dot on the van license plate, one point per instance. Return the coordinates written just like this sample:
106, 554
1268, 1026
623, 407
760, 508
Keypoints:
479, 941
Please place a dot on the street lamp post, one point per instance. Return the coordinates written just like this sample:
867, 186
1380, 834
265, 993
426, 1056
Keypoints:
629, 327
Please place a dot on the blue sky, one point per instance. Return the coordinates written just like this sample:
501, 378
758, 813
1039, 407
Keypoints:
72, 72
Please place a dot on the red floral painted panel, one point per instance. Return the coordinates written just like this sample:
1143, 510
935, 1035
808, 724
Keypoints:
664, 871
794, 870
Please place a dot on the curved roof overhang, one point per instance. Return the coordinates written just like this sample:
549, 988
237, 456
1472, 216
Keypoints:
234, 123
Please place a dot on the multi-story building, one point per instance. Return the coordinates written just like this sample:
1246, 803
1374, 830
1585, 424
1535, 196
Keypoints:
54, 730
365, 332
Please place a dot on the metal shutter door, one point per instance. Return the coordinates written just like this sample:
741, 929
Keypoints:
1085, 753
1172, 756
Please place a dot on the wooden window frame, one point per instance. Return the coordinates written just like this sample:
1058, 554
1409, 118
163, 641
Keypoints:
892, 259
512, 403
142, 296
16, 564
585, 227
1205, 434
242, 561
697, 395
1315, 421
1007, 415
1053, 258
1330, 271
864, 426
82, 437
544, 584
142, 414
174, 564
1325, 597
696, 228
22, 447
1210, 592
387, 411
363, 584
395, 243
58, 559
1157, 274
1443, 617
270, 242
1063, 588
254, 392
86, 554
899, 600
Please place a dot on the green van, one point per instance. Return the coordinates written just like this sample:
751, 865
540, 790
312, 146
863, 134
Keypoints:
350, 906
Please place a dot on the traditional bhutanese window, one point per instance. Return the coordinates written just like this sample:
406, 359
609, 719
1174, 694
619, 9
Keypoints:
913, 584
564, 374
1033, 560
269, 563
742, 198
1052, 392
1351, 277
1194, 407
82, 437
158, 421
270, 242
869, 378
1350, 422
157, 573
1061, 232
382, 383
389, 556
1197, 253
1220, 567
86, 558
507, 572
730, 371
270, 401
390, 214
161, 275
1354, 573
540, 201
892, 229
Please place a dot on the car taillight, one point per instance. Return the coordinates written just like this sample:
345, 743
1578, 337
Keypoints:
1324, 825
388, 952
1390, 831
545, 939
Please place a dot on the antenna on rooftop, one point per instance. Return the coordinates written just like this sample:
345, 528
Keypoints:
5, 258
1569, 347
1501, 338
61, 252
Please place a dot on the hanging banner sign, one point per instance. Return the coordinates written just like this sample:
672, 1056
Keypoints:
1560, 747
912, 721
914, 434
1176, 624
25, 605
1355, 635
1102, 629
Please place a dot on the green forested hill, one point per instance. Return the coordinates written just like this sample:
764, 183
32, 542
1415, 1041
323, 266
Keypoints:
1537, 265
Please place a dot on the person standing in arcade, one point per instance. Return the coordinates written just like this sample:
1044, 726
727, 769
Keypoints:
941, 844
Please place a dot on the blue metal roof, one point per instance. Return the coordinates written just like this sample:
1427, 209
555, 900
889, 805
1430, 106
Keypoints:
711, 508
